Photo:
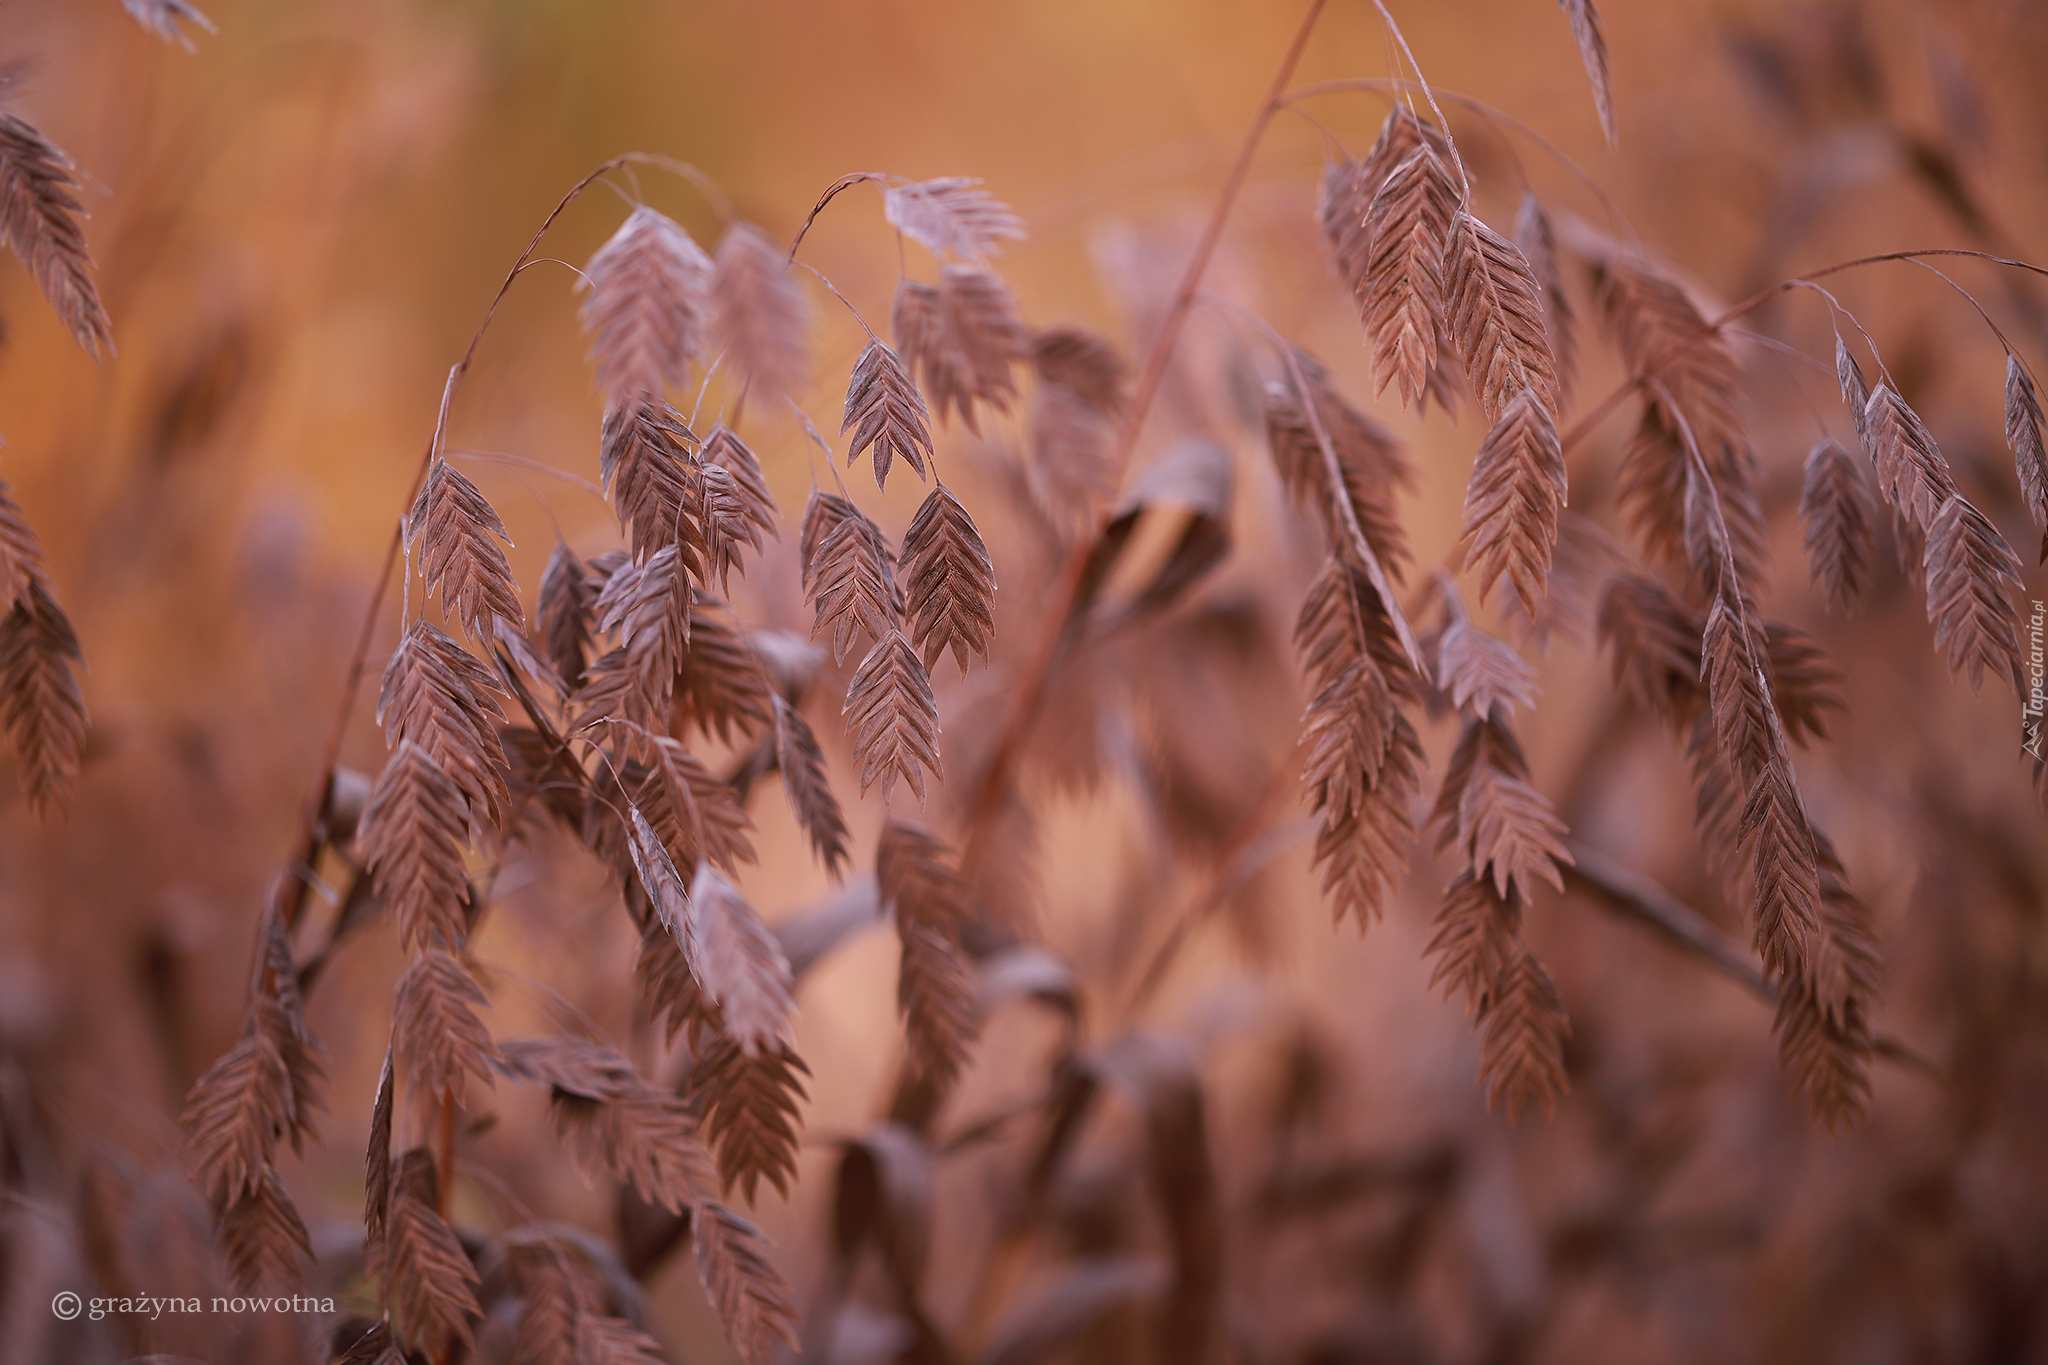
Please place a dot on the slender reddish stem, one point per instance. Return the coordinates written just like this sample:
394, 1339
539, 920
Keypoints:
306, 847
1061, 620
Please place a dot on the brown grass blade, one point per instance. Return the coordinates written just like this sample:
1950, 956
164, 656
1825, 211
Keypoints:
886, 413
377, 1168
951, 216
950, 603
649, 301
758, 311
40, 219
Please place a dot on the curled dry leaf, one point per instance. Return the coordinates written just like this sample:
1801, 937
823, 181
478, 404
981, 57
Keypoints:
40, 220
649, 301
951, 216
886, 413
759, 312
950, 603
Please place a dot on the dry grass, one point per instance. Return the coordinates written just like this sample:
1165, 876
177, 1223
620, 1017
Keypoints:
1077, 1141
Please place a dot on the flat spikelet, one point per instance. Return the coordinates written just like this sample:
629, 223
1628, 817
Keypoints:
758, 312
1837, 508
457, 533
886, 413
40, 220
648, 306
893, 717
935, 983
1409, 223
1972, 575
950, 601
951, 216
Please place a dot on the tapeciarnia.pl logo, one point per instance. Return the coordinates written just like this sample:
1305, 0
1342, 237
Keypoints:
2031, 709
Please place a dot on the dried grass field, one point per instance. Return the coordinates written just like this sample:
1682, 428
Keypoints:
1206, 684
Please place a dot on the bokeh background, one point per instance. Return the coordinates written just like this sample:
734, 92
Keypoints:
299, 224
